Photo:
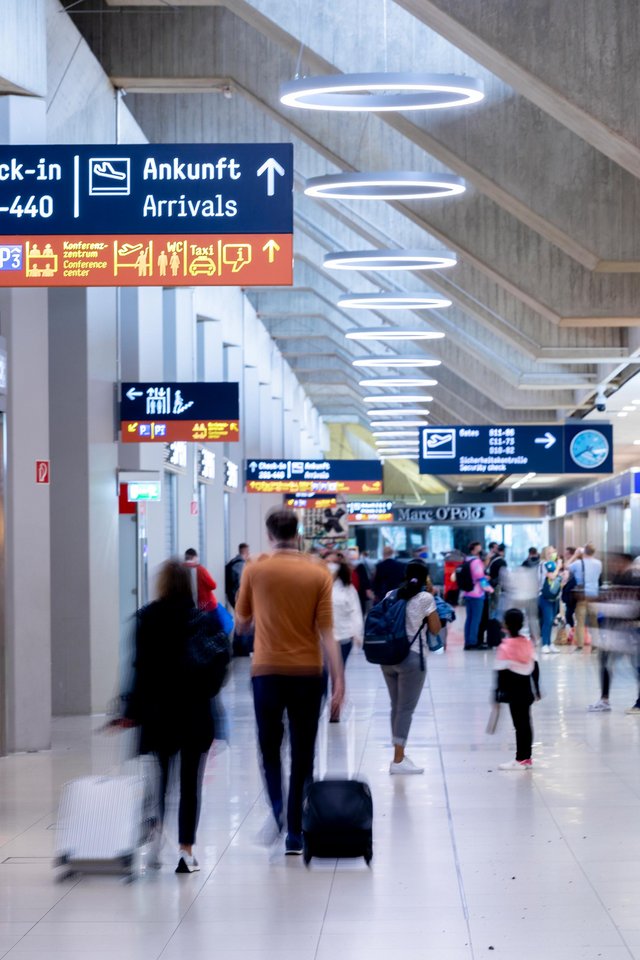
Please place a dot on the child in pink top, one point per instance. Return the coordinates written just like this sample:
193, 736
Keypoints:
518, 676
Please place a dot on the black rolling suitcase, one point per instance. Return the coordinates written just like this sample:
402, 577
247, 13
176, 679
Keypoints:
337, 820
494, 633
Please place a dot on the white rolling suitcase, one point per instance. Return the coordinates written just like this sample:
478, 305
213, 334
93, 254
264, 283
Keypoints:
100, 824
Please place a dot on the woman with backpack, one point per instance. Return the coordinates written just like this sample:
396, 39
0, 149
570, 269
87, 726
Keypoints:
405, 680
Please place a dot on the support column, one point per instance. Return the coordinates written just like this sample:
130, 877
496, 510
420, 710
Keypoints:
27, 595
84, 514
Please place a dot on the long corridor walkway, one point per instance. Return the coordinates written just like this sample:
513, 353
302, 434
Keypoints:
469, 862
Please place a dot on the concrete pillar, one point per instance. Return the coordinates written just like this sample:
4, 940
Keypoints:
84, 504
27, 597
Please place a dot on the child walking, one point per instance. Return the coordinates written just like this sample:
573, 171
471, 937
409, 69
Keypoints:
517, 676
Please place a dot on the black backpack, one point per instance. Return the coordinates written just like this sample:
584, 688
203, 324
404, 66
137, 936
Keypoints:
464, 577
385, 634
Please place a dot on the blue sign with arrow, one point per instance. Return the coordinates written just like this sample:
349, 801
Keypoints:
577, 447
146, 188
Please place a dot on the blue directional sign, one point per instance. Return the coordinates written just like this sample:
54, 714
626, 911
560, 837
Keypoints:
146, 189
167, 412
565, 448
313, 476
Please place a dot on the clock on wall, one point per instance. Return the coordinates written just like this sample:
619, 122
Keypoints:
589, 449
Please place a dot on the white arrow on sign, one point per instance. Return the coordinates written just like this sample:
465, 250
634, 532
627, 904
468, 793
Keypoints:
271, 166
549, 439
253, 466
132, 393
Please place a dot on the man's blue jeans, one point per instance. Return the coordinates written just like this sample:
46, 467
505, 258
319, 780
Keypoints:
301, 698
474, 607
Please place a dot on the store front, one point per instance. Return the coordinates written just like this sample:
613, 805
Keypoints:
435, 532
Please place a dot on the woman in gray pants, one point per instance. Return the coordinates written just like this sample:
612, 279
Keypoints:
405, 680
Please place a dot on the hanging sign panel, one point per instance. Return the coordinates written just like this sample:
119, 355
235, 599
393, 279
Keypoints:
146, 215
313, 476
566, 448
170, 412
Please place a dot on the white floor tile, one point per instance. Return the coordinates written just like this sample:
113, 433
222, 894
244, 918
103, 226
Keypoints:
465, 858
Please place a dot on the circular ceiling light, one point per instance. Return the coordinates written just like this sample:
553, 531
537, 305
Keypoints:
390, 260
395, 433
411, 412
397, 423
392, 301
400, 398
390, 333
397, 443
398, 382
399, 456
382, 92
392, 361
388, 185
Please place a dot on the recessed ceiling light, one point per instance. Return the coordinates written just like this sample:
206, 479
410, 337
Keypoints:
399, 382
378, 92
406, 412
392, 301
392, 333
636, 443
394, 361
388, 185
399, 398
395, 433
630, 409
623, 414
390, 260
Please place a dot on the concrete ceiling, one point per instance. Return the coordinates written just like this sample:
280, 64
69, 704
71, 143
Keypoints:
546, 294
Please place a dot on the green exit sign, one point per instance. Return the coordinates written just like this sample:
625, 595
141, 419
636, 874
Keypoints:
138, 492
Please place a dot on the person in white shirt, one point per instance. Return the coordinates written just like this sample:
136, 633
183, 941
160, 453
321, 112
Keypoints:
586, 571
348, 622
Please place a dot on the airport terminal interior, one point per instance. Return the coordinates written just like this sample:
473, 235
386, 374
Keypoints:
303, 304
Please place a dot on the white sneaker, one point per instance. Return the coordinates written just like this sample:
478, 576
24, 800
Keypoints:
601, 706
187, 863
405, 766
635, 709
516, 765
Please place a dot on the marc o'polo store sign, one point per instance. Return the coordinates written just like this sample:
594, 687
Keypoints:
146, 215
169, 412
380, 512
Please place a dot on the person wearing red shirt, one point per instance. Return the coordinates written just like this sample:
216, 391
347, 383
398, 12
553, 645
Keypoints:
205, 584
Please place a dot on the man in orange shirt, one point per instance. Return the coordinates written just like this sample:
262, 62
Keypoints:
288, 597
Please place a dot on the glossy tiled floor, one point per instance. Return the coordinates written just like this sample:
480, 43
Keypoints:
469, 862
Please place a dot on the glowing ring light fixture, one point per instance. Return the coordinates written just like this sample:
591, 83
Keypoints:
392, 301
405, 412
403, 398
382, 92
390, 260
392, 333
388, 185
397, 423
398, 456
398, 382
392, 361
395, 433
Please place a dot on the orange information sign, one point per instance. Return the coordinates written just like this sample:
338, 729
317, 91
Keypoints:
167, 260
168, 431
